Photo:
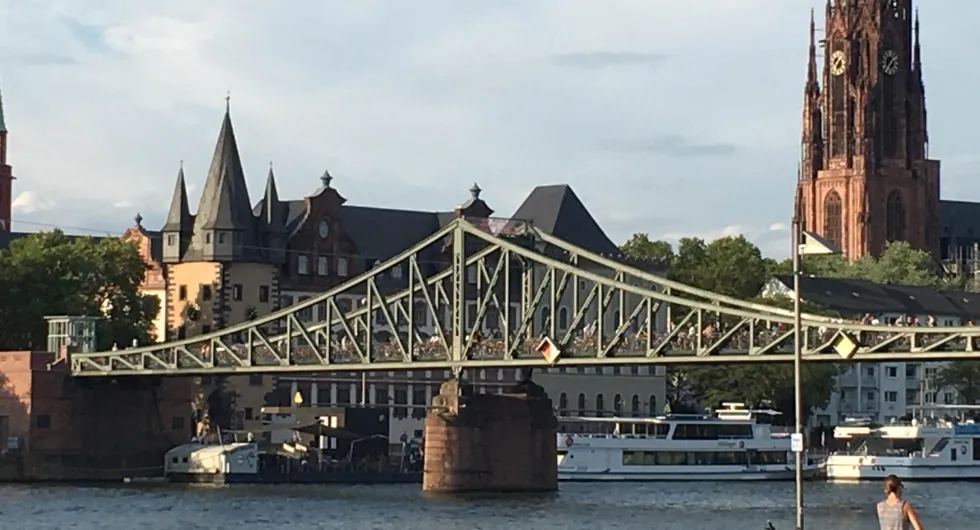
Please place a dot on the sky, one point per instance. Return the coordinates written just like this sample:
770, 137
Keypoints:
666, 117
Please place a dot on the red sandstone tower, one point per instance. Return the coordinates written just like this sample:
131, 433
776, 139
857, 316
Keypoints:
866, 176
6, 178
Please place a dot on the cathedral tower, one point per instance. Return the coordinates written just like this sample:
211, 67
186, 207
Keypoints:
866, 178
6, 178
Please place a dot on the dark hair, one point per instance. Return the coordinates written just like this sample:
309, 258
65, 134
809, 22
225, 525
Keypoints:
893, 484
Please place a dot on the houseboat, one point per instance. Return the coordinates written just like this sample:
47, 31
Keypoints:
733, 444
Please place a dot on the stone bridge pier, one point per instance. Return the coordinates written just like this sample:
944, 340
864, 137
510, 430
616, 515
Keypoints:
490, 442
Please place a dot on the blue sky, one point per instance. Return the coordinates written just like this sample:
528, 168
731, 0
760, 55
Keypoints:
672, 118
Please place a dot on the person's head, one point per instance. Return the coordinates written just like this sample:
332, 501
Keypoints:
893, 485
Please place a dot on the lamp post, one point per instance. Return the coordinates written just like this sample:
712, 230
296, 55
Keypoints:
804, 244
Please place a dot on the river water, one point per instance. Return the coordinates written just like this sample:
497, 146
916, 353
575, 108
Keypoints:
651, 506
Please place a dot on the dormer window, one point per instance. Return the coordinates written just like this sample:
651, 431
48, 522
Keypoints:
396, 271
221, 238
171, 239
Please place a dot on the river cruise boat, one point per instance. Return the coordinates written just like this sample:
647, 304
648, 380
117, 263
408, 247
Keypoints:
922, 449
733, 444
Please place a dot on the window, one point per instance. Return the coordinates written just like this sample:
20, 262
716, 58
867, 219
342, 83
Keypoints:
618, 404
833, 224
892, 371
870, 371
182, 292
206, 292
263, 293
255, 379
303, 264
652, 403
396, 271
177, 423
401, 402
205, 328
891, 396
43, 421
563, 318
171, 240
545, 317
221, 238
910, 371
341, 266
207, 238
563, 404
418, 402
635, 405
581, 404
249, 413
236, 292
871, 396
322, 266
600, 403
895, 217
471, 274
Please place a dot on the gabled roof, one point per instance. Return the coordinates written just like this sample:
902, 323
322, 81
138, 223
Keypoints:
557, 210
856, 297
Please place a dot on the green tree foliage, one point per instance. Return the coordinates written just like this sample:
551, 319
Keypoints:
49, 273
964, 377
640, 246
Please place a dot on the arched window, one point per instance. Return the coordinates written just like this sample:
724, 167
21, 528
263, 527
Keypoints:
563, 404
618, 404
653, 405
600, 403
545, 315
833, 224
895, 221
636, 405
563, 318
581, 404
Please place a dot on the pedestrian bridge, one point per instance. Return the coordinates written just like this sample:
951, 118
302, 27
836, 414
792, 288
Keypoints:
498, 292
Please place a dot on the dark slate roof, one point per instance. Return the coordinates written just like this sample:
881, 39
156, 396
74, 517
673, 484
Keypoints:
855, 297
959, 219
558, 211
179, 216
224, 200
3, 125
156, 244
381, 233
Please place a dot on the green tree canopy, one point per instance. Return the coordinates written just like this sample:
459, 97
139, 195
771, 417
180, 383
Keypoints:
640, 246
49, 273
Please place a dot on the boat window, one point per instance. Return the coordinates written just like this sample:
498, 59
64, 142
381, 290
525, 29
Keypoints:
686, 458
768, 457
708, 431
976, 448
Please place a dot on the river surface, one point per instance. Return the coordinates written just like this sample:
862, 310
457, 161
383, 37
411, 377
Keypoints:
651, 506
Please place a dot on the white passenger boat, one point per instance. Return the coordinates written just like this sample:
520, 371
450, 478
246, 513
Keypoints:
734, 444
920, 450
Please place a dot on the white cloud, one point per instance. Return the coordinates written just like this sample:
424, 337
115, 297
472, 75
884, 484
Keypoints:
667, 127
31, 202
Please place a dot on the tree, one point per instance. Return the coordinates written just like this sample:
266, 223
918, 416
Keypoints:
51, 274
964, 378
640, 246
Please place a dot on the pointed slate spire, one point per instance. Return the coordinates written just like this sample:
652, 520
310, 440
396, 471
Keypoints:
179, 216
224, 200
272, 209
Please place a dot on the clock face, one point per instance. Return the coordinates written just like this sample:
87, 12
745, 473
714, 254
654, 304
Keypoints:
889, 62
323, 229
837, 62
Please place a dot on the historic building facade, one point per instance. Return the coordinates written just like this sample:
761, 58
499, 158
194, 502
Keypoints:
230, 261
866, 176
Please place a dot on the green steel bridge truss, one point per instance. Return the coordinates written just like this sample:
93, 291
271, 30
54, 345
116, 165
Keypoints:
496, 292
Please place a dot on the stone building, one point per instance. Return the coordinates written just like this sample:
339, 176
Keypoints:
866, 176
230, 262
